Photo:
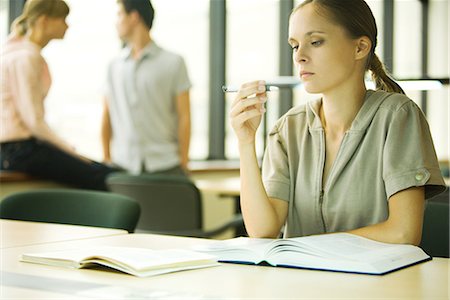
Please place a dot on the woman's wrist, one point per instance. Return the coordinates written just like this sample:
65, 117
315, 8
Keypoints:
246, 147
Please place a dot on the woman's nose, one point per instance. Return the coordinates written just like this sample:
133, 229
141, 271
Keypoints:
300, 55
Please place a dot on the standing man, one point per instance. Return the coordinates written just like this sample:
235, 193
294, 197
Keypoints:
146, 120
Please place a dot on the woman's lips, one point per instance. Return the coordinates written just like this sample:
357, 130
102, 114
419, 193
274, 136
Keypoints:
305, 74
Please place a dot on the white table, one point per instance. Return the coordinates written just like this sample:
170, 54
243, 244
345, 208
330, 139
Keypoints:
21, 233
427, 280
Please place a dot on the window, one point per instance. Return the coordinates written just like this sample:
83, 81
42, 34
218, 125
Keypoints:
78, 65
408, 57
182, 27
252, 54
438, 67
4, 10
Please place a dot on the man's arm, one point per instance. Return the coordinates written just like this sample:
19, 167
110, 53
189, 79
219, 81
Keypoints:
106, 132
184, 127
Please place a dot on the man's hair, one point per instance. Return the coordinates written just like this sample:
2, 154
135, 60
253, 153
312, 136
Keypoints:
143, 7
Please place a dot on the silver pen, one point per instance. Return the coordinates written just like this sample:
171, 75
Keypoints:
235, 89
289, 82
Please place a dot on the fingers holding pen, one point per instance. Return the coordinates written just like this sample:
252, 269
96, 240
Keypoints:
241, 119
250, 88
248, 104
250, 96
247, 109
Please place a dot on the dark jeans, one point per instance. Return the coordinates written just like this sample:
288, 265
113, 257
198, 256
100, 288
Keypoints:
43, 160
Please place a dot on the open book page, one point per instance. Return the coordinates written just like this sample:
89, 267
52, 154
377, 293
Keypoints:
345, 252
338, 252
240, 249
339, 246
135, 261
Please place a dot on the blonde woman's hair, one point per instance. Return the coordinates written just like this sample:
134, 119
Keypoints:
357, 19
33, 9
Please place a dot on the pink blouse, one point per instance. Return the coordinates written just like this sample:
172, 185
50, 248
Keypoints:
25, 82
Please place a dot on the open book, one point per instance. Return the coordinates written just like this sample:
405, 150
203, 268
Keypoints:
341, 252
140, 262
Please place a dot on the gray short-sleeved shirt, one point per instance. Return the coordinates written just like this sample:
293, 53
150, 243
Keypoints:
142, 104
387, 149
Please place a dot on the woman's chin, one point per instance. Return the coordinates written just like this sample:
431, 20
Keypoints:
310, 89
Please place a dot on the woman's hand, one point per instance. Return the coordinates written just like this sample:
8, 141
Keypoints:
247, 109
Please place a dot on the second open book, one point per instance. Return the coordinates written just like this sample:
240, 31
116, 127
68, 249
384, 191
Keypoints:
140, 262
341, 252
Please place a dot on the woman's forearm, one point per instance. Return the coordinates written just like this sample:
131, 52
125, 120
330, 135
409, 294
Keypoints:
260, 217
404, 224
106, 133
387, 233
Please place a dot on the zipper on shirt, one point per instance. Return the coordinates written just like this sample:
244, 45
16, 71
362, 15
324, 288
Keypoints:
331, 174
320, 183
326, 186
321, 209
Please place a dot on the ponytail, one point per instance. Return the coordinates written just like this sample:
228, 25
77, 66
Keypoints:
381, 78
33, 9
20, 26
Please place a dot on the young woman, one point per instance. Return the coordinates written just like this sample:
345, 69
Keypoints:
27, 142
356, 160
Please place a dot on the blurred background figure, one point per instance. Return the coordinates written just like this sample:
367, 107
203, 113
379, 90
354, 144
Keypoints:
28, 144
146, 122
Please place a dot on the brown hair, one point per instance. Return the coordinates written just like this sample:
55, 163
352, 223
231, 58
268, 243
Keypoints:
143, 7
33, 9
357, 19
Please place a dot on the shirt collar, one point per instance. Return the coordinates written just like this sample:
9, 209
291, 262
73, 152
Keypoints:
150, 50
372, 101
312, 114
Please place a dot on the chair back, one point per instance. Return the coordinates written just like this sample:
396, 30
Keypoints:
169, 203
72, 206
435, 234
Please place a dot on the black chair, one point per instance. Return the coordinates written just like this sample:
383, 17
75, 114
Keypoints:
170, 204
72, 206
435, 235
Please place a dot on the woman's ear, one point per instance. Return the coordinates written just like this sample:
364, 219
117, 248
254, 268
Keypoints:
41, 21
363, 47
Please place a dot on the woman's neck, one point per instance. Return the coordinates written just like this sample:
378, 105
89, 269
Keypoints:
340, 107
37, 37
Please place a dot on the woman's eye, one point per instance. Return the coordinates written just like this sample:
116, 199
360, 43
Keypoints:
295, 48
317, 43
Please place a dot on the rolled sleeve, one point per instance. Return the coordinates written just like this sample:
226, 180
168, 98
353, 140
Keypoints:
409, 155
275, 168
182, 82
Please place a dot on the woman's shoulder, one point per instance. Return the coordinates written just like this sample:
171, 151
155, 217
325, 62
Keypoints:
294, 117
296, 112
393, 101
20, 49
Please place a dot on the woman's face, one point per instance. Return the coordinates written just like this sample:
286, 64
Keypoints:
56, 27
323, 53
